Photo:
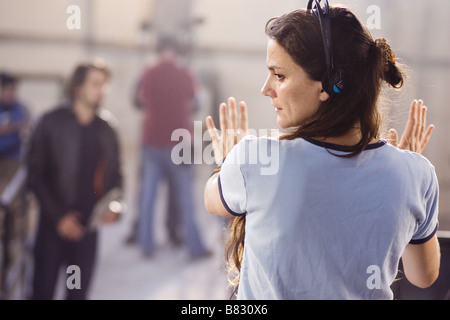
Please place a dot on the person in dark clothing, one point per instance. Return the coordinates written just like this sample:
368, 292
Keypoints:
73, 165
14, 124
14, 118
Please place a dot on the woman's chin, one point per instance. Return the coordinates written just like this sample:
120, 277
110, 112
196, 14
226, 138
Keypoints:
282, 124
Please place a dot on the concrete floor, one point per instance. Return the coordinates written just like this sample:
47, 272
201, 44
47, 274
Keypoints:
124, 274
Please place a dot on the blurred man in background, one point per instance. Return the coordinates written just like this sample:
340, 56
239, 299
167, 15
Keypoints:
172, 221
14, 124
167, 94
73, 166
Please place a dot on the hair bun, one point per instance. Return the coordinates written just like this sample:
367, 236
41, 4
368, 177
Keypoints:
387, 54
392, 73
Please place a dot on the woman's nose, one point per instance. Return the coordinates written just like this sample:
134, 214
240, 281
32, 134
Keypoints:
267, 89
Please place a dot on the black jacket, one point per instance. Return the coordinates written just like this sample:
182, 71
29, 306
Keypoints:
53, 167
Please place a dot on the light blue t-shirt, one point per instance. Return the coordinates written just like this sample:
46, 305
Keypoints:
320, 226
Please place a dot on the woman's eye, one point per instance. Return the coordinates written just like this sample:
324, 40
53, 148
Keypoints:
280, 77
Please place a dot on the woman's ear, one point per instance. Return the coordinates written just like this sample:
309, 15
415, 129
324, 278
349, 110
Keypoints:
323, 96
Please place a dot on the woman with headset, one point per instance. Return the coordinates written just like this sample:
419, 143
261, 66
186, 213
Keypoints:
344, 206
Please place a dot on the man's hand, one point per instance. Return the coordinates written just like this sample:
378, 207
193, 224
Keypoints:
70, 228
109, 217
415, 137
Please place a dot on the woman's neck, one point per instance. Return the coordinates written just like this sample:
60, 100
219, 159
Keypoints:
351, 138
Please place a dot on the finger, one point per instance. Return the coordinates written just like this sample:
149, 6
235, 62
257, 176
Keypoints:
215, 138
420, 124
423, 117
232, 111
210, 125
426, 137
223, 118
243, 116
415, 139
224, 124
414, 117
407, 136
418, 109
393, 137
232, 138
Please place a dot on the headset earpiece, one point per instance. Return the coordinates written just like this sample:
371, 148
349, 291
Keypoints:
333, 79
334, 83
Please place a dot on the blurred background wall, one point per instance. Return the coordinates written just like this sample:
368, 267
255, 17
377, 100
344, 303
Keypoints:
226, 47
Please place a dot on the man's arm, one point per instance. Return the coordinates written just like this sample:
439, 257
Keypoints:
37, 180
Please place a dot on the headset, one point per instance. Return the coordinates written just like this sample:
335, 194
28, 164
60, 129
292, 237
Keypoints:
332, 81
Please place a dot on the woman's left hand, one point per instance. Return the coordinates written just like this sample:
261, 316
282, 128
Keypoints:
415, 137
233, 128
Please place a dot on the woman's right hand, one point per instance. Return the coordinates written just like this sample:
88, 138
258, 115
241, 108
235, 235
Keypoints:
233, 128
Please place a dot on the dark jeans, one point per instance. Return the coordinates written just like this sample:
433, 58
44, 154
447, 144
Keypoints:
52, 253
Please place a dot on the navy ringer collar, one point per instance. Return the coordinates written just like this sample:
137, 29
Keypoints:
337, 147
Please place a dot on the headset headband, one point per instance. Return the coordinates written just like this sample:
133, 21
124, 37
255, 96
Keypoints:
323, 13
334, 82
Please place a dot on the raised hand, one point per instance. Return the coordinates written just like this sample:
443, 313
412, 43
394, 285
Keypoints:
233, 127
415, 137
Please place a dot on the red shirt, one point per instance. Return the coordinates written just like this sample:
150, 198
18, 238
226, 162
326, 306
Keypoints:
166, 92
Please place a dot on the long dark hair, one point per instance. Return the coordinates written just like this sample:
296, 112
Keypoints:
366, 64
80, 73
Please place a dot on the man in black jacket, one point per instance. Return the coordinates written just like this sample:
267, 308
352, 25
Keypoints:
73, 165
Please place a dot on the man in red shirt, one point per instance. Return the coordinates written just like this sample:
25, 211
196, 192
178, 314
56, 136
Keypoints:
166, 93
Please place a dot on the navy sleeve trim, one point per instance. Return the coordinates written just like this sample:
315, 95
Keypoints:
422, 241
224, 202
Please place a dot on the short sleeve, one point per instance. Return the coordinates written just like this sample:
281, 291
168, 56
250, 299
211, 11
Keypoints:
231, 181
428, 227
